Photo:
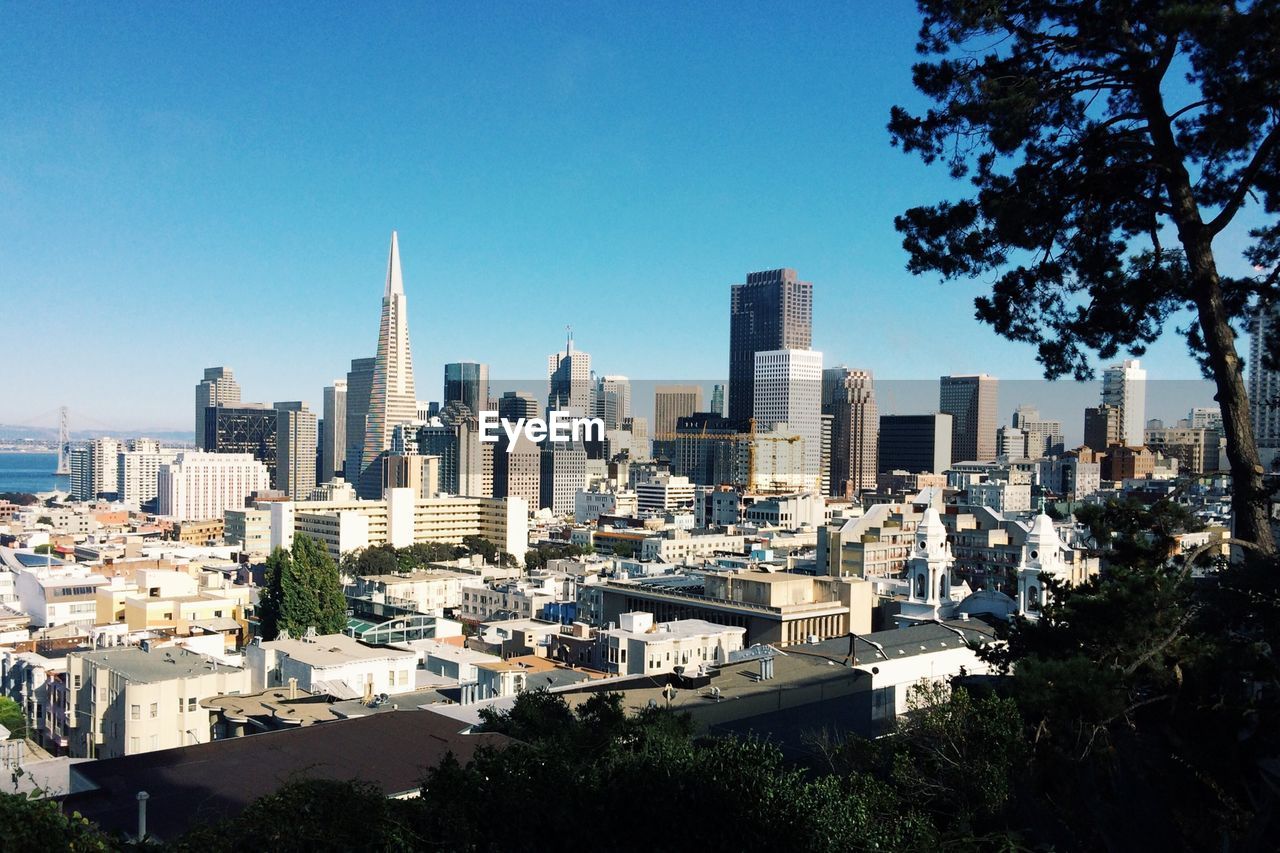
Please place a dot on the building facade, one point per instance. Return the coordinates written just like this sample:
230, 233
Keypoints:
772, 310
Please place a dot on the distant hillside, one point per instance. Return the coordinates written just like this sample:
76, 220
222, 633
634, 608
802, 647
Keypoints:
46, 434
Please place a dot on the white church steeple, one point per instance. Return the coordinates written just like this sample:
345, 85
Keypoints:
1042, 557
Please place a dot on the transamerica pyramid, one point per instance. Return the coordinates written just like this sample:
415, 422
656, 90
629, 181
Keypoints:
392, 400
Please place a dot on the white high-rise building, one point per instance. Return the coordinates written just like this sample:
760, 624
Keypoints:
138, 470
569, 374
1263, 384
1124, 386
613, 400
788, 389
392, 398
198, 485
218, 388
94, 468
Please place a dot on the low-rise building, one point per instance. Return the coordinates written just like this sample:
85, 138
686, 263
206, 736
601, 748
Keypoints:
333, 664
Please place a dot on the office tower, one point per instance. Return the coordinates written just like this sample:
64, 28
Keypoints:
359, 389
772, 311
849, 397
917, 444
1263, 383
333, 435
137, 471
670, 403
711, 450
426, 410
788, 390
1124, 386
246, 428
1205, 417
717, 399
1040, 437
613, 400
1103, 427
455, 438
569, 375
517, 474
563, 472
392, 397
467, 382
295, 450
196, 485
972, 403
420, 474
218, 388
1011, 443
513, 405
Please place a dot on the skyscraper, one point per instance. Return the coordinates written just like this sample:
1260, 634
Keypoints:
788, 389
772, 311
917, 444
334, 433
243, 428
1263, 383
1103, 427
295, 449
514, 405
717, 399
972, 402
849, 397
670, 403
218, 388
569, 374
467, 382
613, 400
359, 387
1124, 386
392, 397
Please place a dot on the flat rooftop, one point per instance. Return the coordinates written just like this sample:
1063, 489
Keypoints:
149, 666
679, 629
332, 650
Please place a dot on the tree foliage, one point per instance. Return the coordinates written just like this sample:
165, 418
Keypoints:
39, 826
1108, 145
301, 589
387, 559
12, 718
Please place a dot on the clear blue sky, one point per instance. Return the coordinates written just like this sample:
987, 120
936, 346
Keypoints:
186, 185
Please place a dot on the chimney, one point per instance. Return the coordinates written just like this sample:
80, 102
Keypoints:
293, 688
143, 796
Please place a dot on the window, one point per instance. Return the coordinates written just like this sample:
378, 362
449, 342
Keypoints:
134, 744
179, 704
76, 682
191, 703
135, 712
155, 710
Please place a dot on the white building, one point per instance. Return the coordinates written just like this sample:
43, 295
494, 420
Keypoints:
332, 664
639, 647
198, 485
1041, 557
590, 504
1124, 386
788, 390
138, 472
663, 493
58, 594
569, 375
681, 545
516, 599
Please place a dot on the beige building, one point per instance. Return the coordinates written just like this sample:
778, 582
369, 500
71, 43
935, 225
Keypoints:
670, 403
127, 700
875, 544
426, 592
248, 528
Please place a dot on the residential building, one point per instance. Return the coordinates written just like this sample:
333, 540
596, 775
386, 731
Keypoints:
250, 529
639, 646
200, 485
138, 472
590, 504
517, 469
772, 310
128, 700
1124, 386
613, 400
664, 493
217, 388
563, 473
95, 469
331, 664
1103, 427
972, 403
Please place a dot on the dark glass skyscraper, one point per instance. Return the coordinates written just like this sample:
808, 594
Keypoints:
359, 386
772, 311
245, 428
467, 382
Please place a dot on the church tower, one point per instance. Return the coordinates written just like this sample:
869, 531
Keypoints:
929, 574
1041, 557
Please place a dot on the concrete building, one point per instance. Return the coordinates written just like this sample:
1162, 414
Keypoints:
95, 469
613, 401
590, 504
53, 594
331, 664
788, 390
200, 485
429, 592
1124, 386
217, 388
679, 546
333, 439
1041, 437
670, 404
392, 396
250, 529
128, 700
772, 310
569, 377
138, 472
244, 428
972, 402
296, 439
1197, 449
1103, 427
916, 444
849, 398
454, 437
359, 390
639, 646
517, 469
664, 493
563, 473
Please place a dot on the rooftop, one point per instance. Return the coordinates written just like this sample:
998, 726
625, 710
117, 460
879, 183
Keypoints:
155, 663
332, 650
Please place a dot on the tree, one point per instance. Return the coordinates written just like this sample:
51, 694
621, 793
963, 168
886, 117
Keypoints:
1110, 145
301, 590
43, 549
39, 825
12, 718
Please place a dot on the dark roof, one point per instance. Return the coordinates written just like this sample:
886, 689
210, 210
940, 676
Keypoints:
202, 783
902, 642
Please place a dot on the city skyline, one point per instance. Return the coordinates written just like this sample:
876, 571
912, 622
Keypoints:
221, 205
